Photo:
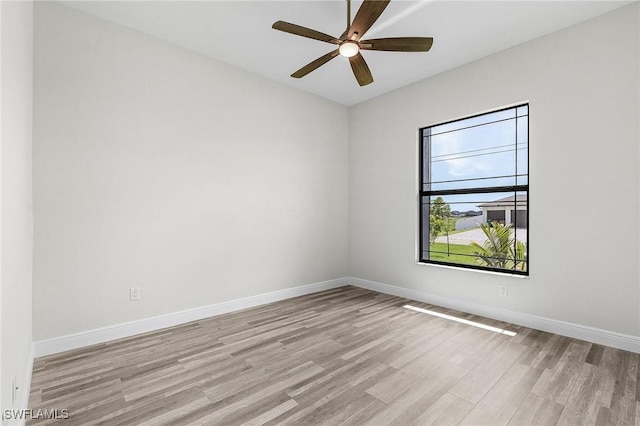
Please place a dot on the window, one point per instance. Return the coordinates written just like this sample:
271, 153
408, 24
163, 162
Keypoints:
474, 192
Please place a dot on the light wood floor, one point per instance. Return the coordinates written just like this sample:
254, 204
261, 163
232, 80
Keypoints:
345, 356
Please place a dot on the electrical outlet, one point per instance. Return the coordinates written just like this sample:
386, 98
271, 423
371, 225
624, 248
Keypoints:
134, 293
320, 264
504, 290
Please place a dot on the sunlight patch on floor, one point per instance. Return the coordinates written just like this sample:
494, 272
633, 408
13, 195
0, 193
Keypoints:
460, 320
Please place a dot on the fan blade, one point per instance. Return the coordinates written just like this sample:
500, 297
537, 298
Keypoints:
361, 70
398, 44
368, 13
315, 64
304, 32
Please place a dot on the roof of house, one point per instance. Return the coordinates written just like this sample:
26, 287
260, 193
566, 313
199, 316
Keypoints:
507, 201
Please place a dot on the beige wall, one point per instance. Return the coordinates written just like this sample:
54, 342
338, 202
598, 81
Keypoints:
158, 167
583, 91
16, 219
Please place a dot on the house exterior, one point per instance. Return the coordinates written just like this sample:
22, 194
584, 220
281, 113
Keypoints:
509, 210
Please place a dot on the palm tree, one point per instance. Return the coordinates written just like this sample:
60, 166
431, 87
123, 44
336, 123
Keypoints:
500, 250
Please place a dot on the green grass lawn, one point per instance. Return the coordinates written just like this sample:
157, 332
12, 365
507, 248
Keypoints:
458, 253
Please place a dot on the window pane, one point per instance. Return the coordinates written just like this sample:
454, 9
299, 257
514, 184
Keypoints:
522, 153
473, 121
426, 170
522, 110
458, 229
474, 157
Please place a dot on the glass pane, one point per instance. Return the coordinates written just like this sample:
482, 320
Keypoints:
522, 153
424, 217
425, 163
522, 180
522, 110
474, 157
523, 131
473, 121
456, 229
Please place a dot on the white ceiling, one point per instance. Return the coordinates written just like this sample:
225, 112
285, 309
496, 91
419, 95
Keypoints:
240, 33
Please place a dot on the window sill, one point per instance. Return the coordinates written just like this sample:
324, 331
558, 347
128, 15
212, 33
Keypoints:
460, 268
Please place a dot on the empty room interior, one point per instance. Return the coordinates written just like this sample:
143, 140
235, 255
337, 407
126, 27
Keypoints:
320, 212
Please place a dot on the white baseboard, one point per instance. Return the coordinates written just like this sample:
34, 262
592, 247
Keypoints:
118, 331
577, 331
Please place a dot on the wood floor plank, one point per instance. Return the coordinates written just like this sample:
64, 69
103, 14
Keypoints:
418, 346
559, 383
343, 356
595, 391
272, 413
536, 410
447, 410
481, 379
391, 387
546, 351
341, 385
622, 412
144, 409
414, 401
505, 397
231, 406
340, 410
170, 416
623, 365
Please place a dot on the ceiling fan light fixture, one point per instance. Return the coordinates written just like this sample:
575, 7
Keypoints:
349, 49
351, 41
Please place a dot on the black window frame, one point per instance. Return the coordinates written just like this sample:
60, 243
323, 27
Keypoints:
510, 189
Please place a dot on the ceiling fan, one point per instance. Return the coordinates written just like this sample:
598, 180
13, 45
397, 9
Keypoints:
350, 43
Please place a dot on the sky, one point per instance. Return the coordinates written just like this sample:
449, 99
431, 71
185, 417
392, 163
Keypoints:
479, 152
